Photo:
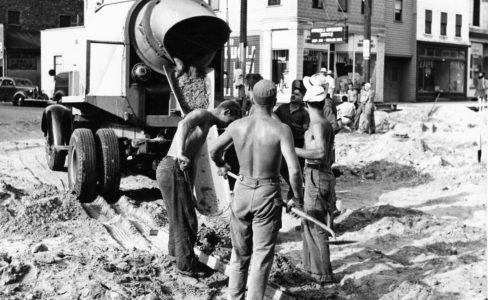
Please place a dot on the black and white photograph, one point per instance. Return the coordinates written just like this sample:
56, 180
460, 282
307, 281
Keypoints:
243, 149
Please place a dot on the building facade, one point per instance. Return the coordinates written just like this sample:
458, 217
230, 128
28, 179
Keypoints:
285, 51
22, 21
442, 49
478, 37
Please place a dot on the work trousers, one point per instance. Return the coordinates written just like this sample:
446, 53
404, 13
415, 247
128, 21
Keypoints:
369, 124
318, 203
254, 225
183, 224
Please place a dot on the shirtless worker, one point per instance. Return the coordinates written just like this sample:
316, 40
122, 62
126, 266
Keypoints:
260, 142
319, 186
173, 178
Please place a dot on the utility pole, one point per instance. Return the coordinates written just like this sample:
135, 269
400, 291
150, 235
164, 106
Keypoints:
367, 40
243, 37
228, 84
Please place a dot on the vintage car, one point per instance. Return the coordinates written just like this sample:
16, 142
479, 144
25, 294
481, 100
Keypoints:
19, 90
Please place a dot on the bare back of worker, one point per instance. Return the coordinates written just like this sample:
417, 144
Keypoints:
257, 140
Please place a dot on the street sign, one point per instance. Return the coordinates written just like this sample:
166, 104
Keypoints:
329, 35
366, 49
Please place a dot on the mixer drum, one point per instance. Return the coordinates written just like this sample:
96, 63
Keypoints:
186, 29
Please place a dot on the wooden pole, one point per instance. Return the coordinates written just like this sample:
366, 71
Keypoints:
367, 40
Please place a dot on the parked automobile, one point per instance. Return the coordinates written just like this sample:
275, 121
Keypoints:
19, 90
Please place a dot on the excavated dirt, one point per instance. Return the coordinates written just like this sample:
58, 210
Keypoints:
413, 199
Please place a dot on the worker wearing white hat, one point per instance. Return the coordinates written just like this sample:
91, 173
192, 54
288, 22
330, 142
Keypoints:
319, 186
330, 111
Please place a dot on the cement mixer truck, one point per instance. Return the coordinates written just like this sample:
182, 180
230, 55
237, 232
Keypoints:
119, 110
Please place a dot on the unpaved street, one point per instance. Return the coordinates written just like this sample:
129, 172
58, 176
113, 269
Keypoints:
413, 197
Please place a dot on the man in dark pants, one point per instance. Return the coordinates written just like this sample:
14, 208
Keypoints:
257, 204
319, 187
174, 180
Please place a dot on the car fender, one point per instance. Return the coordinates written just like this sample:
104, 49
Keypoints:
22, 93
58, 95
57, 119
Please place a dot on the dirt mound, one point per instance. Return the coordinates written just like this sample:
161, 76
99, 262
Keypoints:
363, 217
384, 171
40, 217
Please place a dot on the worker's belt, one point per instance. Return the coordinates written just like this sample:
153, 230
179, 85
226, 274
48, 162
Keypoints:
316, 166
257, 181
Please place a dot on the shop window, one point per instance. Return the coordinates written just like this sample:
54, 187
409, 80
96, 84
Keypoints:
214, 4
476, 13
313, 60
317, 4
274, 2
446, 72
370, 6
342, 5
64, 21
459, 22
443, 23
398, 10
13, 17
428, 21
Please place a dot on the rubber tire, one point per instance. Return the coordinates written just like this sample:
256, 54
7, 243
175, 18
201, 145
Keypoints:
55, 158
82, 151
19, 100
108, 155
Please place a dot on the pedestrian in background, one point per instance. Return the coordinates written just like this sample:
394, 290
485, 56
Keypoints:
364, 119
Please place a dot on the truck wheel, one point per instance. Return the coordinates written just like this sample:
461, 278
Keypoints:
55, 158
109, 168
18, 100
82, 167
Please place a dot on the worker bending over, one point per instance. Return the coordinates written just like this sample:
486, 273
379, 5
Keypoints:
174, 179
260, 142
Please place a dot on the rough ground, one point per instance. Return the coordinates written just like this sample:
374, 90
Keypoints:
412, 196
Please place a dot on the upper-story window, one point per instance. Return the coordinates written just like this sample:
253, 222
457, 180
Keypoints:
459, 22
342, 5
13, 17
398, 10
428, 21
317, 4
64, 21
370, 6
274, 2
214, 4
443, 23
476, 13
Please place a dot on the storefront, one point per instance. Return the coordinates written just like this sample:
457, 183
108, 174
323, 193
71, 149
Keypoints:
478, 63
441, 68
232, 59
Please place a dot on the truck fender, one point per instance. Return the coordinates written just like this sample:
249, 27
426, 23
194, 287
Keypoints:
56, 118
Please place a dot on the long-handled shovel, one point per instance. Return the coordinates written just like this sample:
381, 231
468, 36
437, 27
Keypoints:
305, 216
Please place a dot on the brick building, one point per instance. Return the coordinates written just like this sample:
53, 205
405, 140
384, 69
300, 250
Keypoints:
442, 48
284, 51
21, 21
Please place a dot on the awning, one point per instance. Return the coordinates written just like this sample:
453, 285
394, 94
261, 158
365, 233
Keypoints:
22, 39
